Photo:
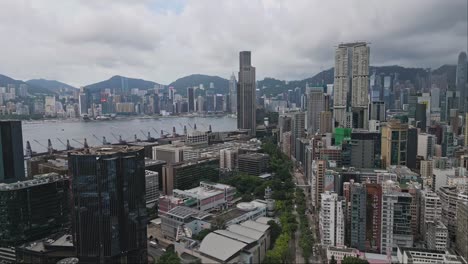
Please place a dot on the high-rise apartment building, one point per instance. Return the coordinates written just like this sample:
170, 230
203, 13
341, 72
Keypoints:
228, 159
461, 80
396, 222
351, 85
109, 209
11, 152
315, 105
319, 168
358, 216
394, 143
462, 229
450, 198
246, 106
437, 236
430, 210
332, 219
373, 216
426, 145
365, 149
326, 122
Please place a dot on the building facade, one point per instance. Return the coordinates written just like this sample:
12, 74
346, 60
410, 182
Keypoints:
246, 106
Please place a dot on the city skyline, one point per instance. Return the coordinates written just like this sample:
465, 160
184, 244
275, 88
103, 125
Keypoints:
84, 46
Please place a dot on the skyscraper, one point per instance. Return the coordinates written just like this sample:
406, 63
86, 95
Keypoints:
246, 109
394, 143
191, 99
315, 105
11, 152
109, 214
332, 219
461, 79
233, 94
297, 130
351, 85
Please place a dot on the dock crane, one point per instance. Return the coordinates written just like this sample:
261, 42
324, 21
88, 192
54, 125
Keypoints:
40, 144
29, 151
67, 146
85, 144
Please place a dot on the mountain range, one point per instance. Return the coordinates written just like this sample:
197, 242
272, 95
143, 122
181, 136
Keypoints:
269, 86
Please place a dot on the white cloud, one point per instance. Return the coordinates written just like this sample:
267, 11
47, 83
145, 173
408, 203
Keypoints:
81, 42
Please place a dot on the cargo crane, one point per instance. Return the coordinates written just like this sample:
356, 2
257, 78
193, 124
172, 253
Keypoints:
67, 146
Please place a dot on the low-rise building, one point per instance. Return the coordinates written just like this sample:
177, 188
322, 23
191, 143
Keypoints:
208, 196
183, 221
253, 163
419, 255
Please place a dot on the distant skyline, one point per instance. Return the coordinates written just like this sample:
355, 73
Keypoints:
81, 42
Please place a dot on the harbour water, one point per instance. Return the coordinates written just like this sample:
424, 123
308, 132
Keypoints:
93, 131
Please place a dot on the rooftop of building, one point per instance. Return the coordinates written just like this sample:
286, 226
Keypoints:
56, 241
184, 212
235, 236
256, 225
37, 180
256, 156
105, 150
152, 162
194, 162
220, 247
143, 143
245, 231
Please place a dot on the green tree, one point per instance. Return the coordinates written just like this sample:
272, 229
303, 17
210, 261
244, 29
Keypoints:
275, 231
169, 257
354, 260
202, 234
333, 260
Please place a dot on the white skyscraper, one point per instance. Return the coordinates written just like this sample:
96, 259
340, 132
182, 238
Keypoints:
233, 94
351, 86
332, 219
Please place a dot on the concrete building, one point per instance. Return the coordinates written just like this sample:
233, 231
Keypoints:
152, 188
426, 144
351, 85
196, 138
373, 216
394, 143
365, 149
253, 163
186, 175
358, 216
297, 130
11, 152
437, 236
396, 222
450, 198
332, 219
178, 220
317, 179
461, 243
233, 94
315, 105
246, 104
419, 255
430, 210
427, 172
228, 159
377, 111
170, 153
208, 196
326, 122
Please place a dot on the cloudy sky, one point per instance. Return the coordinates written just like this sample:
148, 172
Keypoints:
81, 42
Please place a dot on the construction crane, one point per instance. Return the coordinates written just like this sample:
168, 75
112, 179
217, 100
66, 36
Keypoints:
143, 133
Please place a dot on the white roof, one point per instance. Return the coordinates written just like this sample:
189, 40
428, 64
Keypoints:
263, 220
255, 225
220, 247
245, 231
235, 236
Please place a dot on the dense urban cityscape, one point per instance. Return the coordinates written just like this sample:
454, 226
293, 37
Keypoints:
358, 164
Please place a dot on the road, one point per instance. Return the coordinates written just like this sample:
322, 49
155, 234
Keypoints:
155, 252
312, 217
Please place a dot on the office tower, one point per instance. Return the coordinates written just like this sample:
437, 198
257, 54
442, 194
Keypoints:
332, 219
358, 216
83, 103
461, 243
284, 125
233, 94
200, 104
394, 143
246, 108
109, 216
33, 209
365, 149
412, 148
421, 117
297, 129
461, 80
430, 210
11, 152
326, 122
377, 111
191, 99
426, 145
396, 222
297, 96
435, 99
351, 83
315, 106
